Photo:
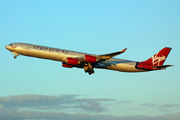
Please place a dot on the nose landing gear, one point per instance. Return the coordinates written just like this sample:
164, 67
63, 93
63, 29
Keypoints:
15, 57
16, 54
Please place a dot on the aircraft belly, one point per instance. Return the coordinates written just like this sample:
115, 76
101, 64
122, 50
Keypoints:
124, 68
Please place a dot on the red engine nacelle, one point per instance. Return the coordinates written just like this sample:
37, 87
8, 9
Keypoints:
89, 58
66, 65
72, 61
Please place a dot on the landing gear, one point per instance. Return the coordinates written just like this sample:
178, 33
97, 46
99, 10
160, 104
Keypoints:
15, 57
16, 54
91, 72
89, 69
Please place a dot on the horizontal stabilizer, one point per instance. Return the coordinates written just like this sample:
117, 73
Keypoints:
162, 66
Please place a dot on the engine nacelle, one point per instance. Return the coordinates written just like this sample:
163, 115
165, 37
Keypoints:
66, 65
72, 61
89, 58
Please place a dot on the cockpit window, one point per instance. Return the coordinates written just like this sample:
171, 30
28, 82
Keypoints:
11, 44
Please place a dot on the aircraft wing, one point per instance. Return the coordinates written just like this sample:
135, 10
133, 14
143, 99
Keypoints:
99, 58
110, 55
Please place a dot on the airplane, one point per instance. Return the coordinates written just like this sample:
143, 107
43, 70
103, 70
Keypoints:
87, 61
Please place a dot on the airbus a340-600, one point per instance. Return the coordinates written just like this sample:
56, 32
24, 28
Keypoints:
88, 62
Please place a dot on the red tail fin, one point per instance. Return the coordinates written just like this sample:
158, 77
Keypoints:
156, 60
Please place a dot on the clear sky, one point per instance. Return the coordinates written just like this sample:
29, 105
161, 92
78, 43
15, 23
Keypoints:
32, 88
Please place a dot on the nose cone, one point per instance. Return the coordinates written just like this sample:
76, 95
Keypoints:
8, 47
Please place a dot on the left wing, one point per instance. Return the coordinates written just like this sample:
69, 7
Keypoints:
99, 58
108, 56
88, 61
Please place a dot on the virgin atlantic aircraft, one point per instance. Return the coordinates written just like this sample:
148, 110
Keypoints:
72, 59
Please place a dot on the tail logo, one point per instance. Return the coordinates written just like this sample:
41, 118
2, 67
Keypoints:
156, 59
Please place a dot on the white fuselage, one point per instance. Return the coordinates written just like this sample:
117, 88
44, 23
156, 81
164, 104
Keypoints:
62, 55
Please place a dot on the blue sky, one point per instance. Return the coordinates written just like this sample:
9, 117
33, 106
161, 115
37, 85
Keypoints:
35, 89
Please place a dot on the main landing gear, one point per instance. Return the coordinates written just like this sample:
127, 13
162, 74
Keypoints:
89, 69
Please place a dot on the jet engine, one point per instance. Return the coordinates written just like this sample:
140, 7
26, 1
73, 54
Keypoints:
66, 65
89, 58
72, 61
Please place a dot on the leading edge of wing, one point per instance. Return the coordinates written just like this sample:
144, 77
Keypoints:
110, 55
100, 58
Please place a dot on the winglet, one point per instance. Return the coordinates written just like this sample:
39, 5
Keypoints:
124, 50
